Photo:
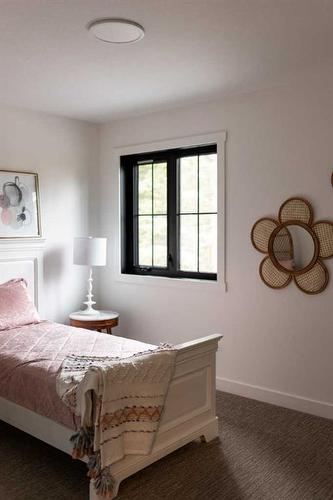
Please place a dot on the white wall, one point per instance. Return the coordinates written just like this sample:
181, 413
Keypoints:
64, 153
280, 143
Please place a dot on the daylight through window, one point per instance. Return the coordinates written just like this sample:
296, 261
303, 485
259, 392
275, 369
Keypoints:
169, 202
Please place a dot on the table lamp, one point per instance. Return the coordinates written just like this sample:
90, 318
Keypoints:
89, 251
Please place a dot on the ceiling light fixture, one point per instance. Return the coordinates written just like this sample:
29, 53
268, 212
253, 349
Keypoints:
114, 30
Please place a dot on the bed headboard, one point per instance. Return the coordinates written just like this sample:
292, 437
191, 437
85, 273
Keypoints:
23, 259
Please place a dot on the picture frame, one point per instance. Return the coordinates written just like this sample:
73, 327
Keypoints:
19, 205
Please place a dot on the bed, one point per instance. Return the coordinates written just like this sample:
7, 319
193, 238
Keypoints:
189, 408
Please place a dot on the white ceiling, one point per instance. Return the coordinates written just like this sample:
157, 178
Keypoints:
193, 50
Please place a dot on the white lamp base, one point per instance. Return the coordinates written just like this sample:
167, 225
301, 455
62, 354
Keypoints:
89, 310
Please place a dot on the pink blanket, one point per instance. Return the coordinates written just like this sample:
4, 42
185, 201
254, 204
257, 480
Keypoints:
30, 357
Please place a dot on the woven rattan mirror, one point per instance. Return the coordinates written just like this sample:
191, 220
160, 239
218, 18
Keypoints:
295, 247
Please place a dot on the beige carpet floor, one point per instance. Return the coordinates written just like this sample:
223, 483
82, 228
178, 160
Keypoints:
264, 453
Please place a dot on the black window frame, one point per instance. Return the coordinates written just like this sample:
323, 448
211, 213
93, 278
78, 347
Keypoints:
129, 241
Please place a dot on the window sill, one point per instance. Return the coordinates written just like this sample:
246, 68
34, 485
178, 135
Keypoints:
180, 283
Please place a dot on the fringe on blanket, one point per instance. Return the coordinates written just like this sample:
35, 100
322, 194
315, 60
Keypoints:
104, 484
83, 441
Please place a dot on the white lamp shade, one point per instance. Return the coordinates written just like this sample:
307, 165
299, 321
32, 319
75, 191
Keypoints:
89, 251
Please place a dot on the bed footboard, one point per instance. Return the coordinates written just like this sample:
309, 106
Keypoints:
189, 410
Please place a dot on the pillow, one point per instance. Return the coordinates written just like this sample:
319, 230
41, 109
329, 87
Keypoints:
16, 307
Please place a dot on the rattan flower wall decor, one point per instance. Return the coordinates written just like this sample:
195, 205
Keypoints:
296, 247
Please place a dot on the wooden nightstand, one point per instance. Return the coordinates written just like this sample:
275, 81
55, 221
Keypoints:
105, 320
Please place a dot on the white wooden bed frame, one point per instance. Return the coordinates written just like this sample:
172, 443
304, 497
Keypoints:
190, 406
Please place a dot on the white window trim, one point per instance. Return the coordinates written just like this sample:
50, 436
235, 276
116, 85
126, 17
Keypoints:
218, 138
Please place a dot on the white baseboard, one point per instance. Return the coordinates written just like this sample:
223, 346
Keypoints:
319, 408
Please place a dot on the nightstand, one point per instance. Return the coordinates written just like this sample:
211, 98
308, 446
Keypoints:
105, 320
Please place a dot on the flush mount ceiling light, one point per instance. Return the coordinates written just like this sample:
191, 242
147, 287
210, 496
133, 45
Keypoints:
113, 30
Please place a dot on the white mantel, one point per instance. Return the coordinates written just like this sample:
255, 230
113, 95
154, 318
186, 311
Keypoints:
21, 244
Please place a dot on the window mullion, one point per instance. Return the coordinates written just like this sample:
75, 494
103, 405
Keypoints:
198, 208
135, 209
172, 213
152, 216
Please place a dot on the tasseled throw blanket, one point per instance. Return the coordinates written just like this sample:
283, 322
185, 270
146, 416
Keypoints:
120, 402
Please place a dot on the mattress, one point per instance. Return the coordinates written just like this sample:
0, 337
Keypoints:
30, 357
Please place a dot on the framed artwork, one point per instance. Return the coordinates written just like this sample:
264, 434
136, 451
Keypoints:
19, 205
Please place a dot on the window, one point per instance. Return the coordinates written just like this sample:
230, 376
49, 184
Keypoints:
169, 213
